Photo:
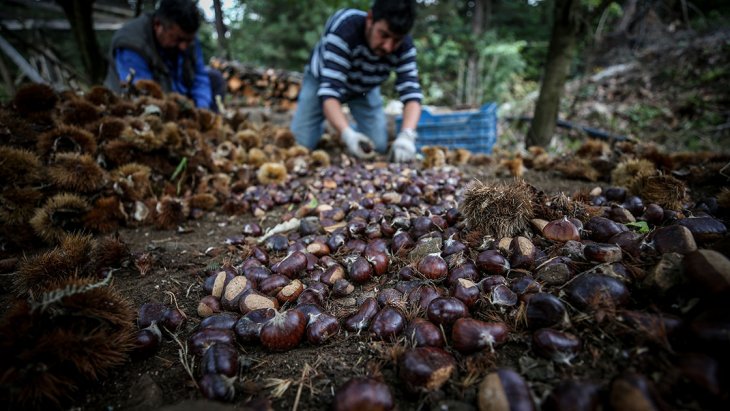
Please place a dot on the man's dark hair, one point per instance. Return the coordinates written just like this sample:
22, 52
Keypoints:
184, 13
399, 14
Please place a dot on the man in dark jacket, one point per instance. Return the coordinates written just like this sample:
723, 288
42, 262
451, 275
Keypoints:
354, 56
163, 47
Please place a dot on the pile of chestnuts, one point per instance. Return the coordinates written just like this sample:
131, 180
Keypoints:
384, 254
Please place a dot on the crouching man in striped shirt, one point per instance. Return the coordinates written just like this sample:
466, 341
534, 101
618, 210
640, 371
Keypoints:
355, 55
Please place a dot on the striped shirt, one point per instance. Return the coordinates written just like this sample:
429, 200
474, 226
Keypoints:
345, 65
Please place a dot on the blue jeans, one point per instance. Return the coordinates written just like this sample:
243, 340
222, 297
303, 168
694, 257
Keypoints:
367, 109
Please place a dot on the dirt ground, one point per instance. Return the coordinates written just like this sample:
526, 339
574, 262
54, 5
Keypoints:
306, 377
307, 373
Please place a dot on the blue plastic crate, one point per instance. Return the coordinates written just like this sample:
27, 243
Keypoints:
474, 130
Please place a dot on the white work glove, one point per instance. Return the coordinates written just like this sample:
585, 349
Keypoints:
358, 144
404, 146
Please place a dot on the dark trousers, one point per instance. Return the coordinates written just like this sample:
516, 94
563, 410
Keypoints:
217, 87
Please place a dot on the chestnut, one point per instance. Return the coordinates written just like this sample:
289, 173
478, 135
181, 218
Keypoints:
602, 253
363, 393
209, 305
284, 331
574, 395
556, 345
220, 359
446, 310
225, 321
202, 339
425, 368
469, 335
149, 313
379, 260
466, 291
433, 267
147, 341
253, 300
402, 243
504, 389
545, 310
332, 274
387, 324
216, 283
522, 253
390, 296
597, 291
631, 391
502, 295
423, 333
342, 288
217, 387
321, 328
318, 248
601, 228
360, 271
311, 311
252, 230
360, 320
422, 296
233, 292
248, 327
292, 265
561, 230
291, 292
708, 270
492, 262
273, 284
466, 271
277, 243
704, 229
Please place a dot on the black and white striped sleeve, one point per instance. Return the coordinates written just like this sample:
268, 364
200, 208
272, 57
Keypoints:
406, 70
336, 54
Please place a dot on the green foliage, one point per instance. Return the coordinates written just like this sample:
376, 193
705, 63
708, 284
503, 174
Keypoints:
281, 33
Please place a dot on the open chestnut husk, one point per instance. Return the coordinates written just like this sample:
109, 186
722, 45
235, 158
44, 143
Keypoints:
283, 332
470, 335
363, 393
425, 368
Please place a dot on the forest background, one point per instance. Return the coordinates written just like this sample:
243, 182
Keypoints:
470, 52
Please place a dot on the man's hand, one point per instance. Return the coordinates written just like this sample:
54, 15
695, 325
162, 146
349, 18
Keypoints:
358, 144
404, 146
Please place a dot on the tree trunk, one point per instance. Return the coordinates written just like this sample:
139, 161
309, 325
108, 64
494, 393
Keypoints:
220, 28
79, 15
566, 26
473, 76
